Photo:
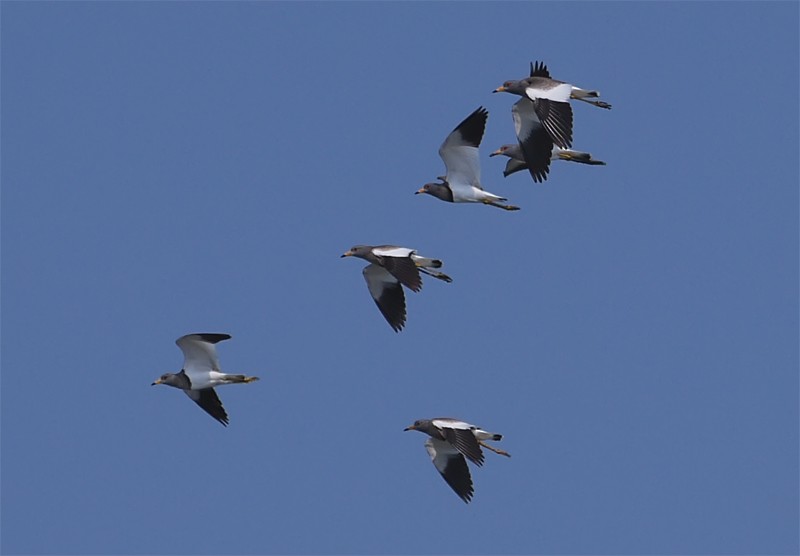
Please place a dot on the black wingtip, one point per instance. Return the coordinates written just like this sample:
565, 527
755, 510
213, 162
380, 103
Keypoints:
213, 338
473, 126
539, 69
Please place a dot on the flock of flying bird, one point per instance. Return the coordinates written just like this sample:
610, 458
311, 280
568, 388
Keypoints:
543, 123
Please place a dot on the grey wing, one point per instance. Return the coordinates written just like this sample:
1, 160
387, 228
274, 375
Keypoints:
200, 352
534, 140
513, 166
388, 294
208, 400
460, 150
452, 466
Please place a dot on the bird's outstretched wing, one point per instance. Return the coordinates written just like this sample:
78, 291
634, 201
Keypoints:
388, 294
207, 399
452, 466
534, 140
460, 151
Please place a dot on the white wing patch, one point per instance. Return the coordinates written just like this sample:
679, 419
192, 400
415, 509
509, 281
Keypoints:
559, 93
444, 423
390, 251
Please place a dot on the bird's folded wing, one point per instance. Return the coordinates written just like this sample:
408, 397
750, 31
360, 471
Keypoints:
465, 442
405, 270
392, 251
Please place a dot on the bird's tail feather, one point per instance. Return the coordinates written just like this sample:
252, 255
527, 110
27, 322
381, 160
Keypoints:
579, 156
426, 262
578, 93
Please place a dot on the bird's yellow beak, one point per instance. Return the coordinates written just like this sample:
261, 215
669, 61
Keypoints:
347, 254
495, 153
411, 428
158, 381
420, 190
500, 89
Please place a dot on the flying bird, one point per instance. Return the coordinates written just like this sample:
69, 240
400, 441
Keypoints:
539, 69
536, 144
462, 183
390, 269
550, 100
517, 161
451, 443
201, 373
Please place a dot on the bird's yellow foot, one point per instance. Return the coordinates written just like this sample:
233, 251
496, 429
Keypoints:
493, 449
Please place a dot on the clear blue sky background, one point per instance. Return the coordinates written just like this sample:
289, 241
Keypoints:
170, 168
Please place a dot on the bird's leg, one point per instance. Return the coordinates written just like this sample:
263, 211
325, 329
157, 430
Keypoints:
500, 205
435, 274
236, 379
598, 103
493, 449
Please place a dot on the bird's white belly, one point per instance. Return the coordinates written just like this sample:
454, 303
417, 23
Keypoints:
472, 194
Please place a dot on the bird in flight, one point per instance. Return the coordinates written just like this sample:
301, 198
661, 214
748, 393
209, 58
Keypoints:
201, 373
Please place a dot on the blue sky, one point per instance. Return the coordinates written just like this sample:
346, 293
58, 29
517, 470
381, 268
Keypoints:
170, 168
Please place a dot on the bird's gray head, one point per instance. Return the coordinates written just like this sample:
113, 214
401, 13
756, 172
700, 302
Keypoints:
361, 251
421, 425
439, 190
514, 87
505, 150
170, 379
